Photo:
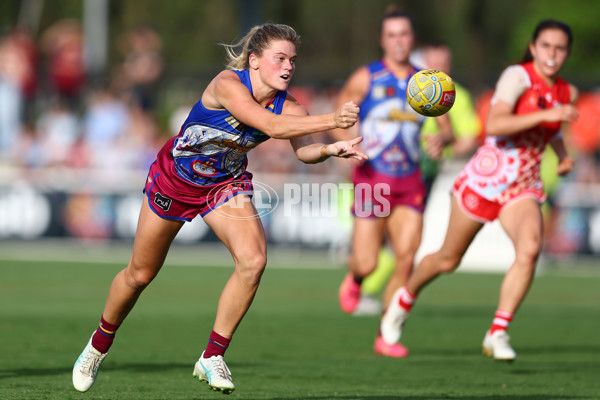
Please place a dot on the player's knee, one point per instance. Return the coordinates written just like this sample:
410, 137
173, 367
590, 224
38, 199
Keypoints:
528, 252
405, 260
447, 263
363, 265
251, 267
139, 278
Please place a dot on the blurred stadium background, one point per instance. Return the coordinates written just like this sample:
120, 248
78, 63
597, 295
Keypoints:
89, 89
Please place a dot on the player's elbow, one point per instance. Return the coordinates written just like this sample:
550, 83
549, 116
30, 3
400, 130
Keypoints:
493, 129
275, 130
309, 161
278, 134
465, 147
303, 156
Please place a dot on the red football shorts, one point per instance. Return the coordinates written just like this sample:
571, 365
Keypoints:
483, 210
171, 198
376, 194
476, 206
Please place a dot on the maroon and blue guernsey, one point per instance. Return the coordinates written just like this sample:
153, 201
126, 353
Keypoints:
390, 127
391, 130
212, 144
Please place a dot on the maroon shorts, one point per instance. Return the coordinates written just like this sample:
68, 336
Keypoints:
172, 198
376, 194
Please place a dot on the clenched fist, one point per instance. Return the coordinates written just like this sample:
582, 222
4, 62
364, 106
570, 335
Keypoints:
346, 115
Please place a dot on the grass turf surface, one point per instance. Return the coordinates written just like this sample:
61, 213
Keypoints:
294, 343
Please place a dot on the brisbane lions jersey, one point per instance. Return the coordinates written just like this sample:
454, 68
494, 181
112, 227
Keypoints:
390, 127
212, 144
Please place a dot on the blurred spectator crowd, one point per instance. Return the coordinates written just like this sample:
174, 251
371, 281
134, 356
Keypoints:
53, 113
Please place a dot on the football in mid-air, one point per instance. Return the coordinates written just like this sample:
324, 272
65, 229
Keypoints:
430, 92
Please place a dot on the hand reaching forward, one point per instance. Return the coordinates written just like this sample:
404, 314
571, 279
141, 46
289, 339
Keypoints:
564, 113
346, 115
434, 146
565, 166
346, 149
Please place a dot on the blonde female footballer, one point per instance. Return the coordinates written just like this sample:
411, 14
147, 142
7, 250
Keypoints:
201, 171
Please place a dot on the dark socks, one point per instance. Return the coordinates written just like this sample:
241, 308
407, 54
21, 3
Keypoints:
104, 336
216, 346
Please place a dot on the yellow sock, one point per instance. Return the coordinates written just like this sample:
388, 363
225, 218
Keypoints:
376, 281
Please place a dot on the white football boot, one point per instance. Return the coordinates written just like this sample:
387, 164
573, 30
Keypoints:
497, 345
392, 320
214, 371
368, 306
86, 367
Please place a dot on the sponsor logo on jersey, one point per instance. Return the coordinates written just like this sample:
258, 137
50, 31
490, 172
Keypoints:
204, 169
235, 124
378, 92
163, 202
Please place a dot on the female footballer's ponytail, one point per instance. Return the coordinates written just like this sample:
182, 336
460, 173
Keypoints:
256, 41
542, 26
394, 11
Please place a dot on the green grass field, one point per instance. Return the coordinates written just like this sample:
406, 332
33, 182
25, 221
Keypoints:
294, 343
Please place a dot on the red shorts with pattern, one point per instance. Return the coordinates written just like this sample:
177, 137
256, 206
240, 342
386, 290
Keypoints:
172, 198
377, 194
483, 210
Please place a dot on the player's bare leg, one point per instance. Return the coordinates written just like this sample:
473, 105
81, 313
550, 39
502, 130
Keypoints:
237, 225
460, 233
367, 237
405, 228
523, 223
153, 238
